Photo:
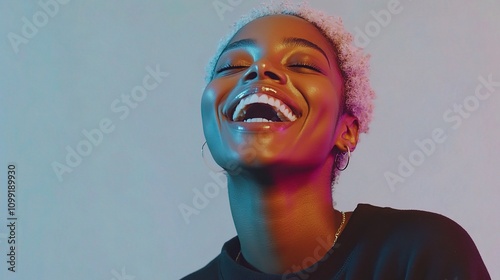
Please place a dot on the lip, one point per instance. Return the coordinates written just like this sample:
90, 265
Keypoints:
259, 127
231, 104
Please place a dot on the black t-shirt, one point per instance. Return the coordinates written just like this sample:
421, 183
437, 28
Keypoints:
377, 243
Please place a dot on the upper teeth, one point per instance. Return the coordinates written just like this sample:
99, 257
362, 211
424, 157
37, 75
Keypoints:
266, 99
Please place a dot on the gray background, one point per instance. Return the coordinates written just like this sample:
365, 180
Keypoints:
116, 214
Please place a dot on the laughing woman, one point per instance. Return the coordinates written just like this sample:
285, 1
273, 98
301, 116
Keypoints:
286, 99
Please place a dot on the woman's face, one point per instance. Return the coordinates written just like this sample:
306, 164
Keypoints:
275, 97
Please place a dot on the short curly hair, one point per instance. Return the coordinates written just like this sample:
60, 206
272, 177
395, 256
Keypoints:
352, 61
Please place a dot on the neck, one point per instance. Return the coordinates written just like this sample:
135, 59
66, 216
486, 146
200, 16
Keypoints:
283, 219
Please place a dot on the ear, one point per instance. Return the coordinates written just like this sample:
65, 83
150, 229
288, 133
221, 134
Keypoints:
347, 133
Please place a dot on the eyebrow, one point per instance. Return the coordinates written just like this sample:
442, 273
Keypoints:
287, 42
240, 44
299, 42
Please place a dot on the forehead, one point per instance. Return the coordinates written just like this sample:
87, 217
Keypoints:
273, 28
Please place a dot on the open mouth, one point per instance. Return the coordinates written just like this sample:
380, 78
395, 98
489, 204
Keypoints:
260, 107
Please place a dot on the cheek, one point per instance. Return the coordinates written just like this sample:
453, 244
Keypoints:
211, 99
210, 120
323, 99
209, 115
208, 104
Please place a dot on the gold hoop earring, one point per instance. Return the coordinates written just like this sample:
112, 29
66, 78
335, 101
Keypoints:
348, 159
202, 149
205, 160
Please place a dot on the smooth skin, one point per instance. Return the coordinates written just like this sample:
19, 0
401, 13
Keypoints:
279, 174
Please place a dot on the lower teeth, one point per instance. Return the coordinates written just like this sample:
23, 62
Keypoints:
257, 120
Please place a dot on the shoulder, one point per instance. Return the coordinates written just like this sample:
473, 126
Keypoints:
427, 241
421, 225
218, 265
405, 220
209, 272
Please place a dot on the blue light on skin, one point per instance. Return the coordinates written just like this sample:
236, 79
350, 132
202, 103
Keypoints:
281, 197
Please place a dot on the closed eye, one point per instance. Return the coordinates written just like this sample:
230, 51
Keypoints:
306, 66
228, 67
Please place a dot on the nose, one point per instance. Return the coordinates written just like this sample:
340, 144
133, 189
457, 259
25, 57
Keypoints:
263, 70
